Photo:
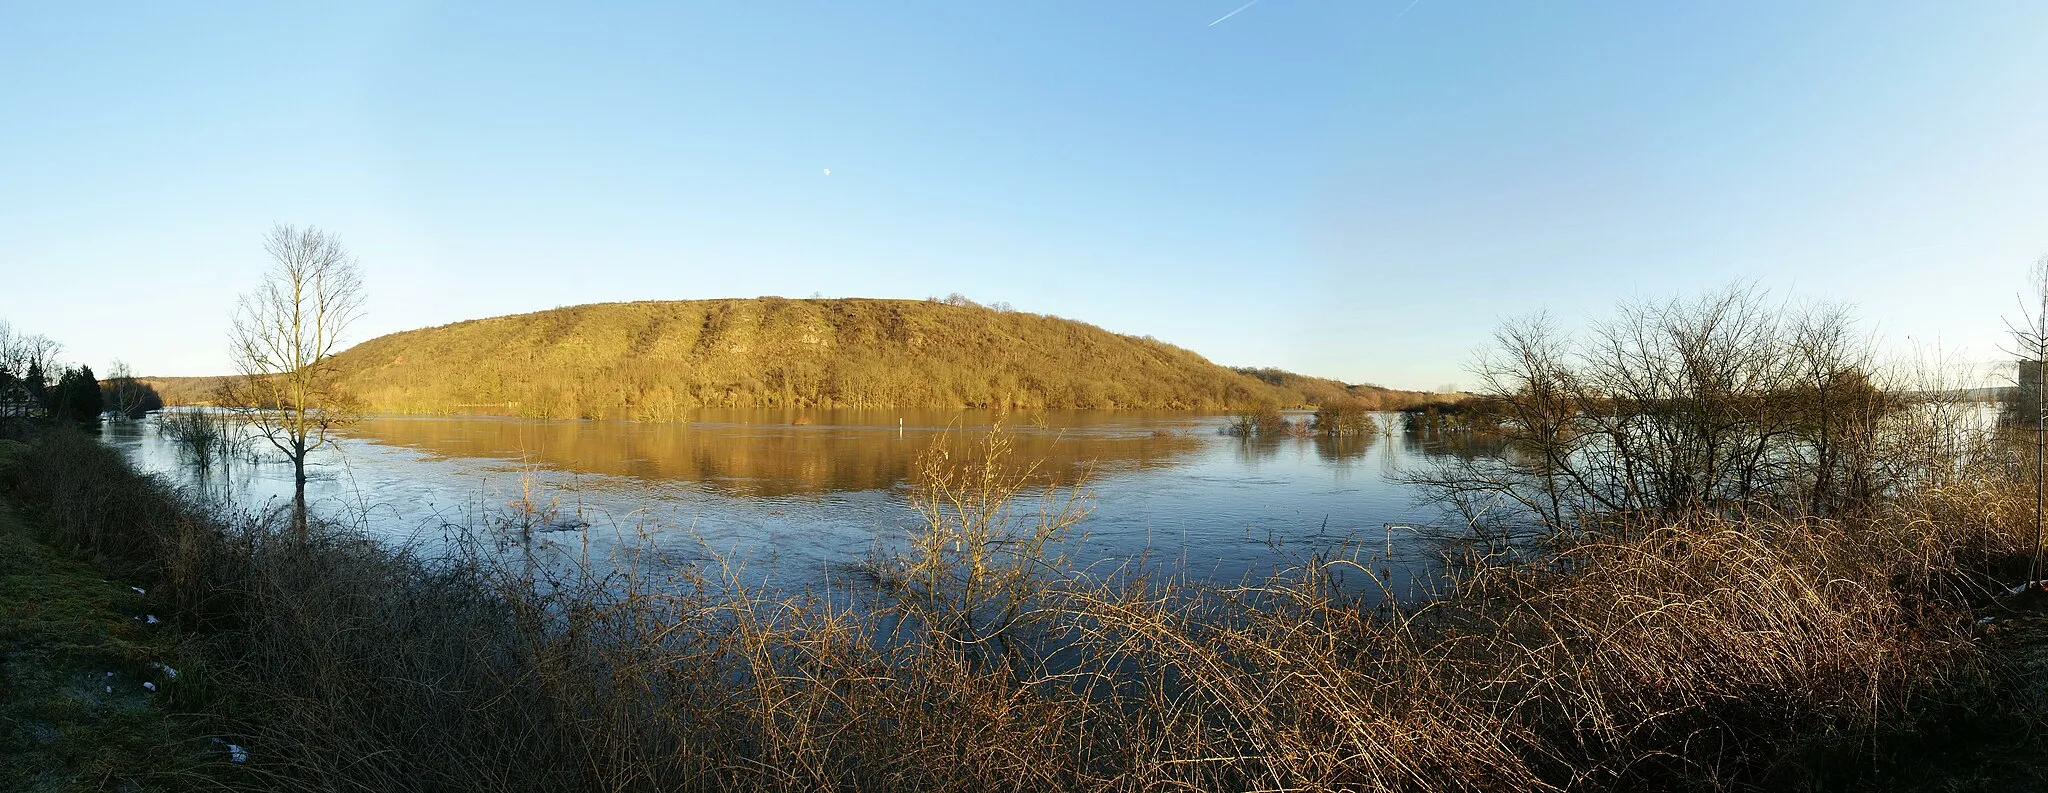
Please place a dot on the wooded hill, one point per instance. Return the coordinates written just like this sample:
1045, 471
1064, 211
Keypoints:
1308, 391
656, 360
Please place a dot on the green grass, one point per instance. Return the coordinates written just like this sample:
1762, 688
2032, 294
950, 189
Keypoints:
63, 627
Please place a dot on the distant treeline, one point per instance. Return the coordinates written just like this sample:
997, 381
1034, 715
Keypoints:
1324, 392
35, 384
185, 390
657, 360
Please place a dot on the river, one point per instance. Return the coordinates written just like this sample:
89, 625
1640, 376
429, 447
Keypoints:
794, 498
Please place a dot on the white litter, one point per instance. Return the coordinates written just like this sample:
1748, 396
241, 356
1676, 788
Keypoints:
139, 590
151, 620
2024, 587
110, 689
237, 754
1985, 620
148, 685
169, 673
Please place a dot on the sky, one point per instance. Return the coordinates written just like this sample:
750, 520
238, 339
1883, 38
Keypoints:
1360, 189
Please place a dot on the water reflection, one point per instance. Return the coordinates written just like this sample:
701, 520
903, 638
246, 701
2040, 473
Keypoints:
769, 453
795, 495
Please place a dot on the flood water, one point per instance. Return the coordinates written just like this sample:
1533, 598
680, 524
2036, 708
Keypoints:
795, 498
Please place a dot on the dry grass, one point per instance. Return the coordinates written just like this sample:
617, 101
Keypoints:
1711, 652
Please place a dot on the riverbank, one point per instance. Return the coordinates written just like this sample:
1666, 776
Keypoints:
1751, 655
93, 688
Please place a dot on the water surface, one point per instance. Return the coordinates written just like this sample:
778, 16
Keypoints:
794, 497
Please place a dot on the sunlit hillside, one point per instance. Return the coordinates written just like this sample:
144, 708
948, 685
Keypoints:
654, 360
1308, 390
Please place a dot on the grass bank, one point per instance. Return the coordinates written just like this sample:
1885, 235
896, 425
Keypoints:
1714, 652
93, 696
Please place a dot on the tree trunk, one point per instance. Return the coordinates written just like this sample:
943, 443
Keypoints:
2040, 473
299, 490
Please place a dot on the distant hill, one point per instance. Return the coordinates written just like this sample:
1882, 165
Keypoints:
184, 390
1324, 391
656, 360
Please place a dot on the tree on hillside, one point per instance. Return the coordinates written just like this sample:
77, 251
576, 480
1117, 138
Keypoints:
284, 334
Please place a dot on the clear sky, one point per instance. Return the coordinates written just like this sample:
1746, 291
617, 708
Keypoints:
1355, 189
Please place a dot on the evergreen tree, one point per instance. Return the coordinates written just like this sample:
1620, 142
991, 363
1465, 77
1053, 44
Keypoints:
77, 395
87, 402
38, 386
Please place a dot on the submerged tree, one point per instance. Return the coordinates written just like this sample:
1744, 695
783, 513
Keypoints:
1718, 404
128, 397
285, 333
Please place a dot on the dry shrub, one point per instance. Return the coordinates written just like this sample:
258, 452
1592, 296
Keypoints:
1348, 417
1288, 685
1261, 418
1705, 649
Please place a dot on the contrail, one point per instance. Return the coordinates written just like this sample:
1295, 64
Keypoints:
1411, 7
1234, 13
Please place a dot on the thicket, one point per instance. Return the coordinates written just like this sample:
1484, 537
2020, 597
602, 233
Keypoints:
1338, 417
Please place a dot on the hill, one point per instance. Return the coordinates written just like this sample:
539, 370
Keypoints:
653, 360
184, 390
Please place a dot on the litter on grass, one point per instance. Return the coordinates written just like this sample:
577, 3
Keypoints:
2024, 587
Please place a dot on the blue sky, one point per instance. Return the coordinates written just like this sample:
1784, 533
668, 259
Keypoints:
1353, 189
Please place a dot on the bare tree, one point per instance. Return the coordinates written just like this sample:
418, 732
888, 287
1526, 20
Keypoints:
126, 395
1673, 408
285, 334
29, 361
2029, 406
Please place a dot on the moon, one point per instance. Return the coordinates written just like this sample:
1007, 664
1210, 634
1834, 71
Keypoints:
828, 172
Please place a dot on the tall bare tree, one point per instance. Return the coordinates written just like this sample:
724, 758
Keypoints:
125, 395
285, 334
2029, 406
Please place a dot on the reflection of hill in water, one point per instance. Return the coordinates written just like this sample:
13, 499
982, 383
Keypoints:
762, 454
